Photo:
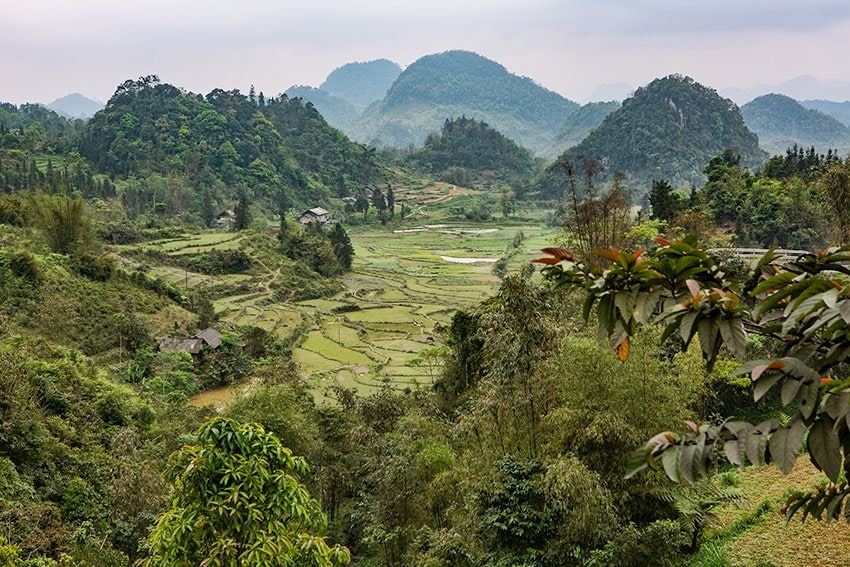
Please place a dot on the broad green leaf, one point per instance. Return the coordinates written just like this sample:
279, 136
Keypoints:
785, 443
844, 310
732, 452
670, 461
824, 448
686, 327
837, 404
734, 336
637, 461
754, 444
708, 334
789, 390
686, 462
763, 384
807, 397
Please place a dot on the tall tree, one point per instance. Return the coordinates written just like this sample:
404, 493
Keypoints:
207, 210
237, 500
665, 203
243, 214
342, 246
390, 201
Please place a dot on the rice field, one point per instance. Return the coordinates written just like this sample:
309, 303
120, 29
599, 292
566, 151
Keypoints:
406, 281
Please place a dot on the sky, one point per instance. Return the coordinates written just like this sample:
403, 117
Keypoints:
51, 48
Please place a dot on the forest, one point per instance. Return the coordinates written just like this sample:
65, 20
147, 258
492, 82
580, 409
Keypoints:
637, 339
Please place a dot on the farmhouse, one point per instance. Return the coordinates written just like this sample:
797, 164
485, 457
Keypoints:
194, 345
226, 219
316, 214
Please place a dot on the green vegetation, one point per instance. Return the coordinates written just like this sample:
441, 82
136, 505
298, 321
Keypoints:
669, 129
237, 500
447, 406
464, 147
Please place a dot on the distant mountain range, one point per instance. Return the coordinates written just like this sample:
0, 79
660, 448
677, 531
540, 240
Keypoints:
450, 85
75, 106
804, 87
379, 104
781, 122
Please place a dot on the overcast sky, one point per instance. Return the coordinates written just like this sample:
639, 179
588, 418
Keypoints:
50, 48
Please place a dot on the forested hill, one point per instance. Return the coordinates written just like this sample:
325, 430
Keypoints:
278, 148
461, 83
466, 147
838, 110
361, 84
34, 127
670, 129
781, 122
579, 124
339, 113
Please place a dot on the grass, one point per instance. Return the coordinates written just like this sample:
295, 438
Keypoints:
759, 535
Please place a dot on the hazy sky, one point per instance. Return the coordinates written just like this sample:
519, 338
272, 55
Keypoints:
50, 48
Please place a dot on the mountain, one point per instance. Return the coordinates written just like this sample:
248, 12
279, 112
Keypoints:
838, 110
468, 152
361, 84
781, 122
75, 105
284, 151
670, 130
579, 124
461, 83
799, 88
339, 113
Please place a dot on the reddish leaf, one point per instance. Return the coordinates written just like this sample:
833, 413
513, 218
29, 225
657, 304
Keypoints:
548, 261
560, 253
693, 287
661, 241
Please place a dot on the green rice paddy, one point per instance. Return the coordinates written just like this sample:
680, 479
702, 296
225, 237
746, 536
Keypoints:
399, 290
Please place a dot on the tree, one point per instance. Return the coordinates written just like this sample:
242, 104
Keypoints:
804, 303
506, 201
62, 220
207, 210
390, 201
835, 185
237, 500
380, 204
665, 203
243, 214
594, 221
343, 249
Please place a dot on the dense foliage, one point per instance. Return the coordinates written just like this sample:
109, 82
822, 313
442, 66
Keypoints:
466, 145
171, 146
802, 301
580, 123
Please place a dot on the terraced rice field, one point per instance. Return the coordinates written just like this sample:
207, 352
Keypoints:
404, 283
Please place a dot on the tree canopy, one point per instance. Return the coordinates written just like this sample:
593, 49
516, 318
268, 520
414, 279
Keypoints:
237, 500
